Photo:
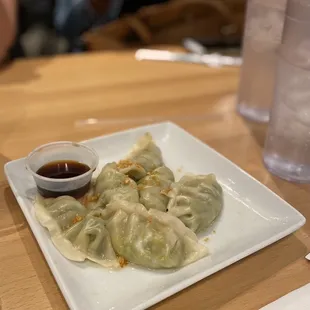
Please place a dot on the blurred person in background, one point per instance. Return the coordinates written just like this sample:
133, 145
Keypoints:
7, 26
49, 27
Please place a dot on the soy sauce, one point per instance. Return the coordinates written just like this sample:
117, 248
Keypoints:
63, 169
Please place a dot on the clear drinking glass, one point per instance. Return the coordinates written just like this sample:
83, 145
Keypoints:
299, 9
296, 33
263, 32
287, 146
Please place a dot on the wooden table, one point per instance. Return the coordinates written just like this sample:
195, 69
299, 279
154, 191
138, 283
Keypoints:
80, 97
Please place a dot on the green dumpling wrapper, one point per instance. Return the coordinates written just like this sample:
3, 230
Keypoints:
196, 200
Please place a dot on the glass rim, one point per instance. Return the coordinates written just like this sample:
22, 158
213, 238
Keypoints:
76, 144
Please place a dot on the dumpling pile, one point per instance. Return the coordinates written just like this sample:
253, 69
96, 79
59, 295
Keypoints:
135, 212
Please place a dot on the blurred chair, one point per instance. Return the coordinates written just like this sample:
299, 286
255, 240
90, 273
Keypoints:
169, 23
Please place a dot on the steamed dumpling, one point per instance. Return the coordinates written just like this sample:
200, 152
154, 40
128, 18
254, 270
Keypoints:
154, 187
132, 169
91, 238
59, 214
152, 239
110, 178
144, 157
146, 153
76, 235
151, 223
112, 184
196, 201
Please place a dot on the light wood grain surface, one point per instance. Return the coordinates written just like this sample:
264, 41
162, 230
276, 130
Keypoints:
80, 97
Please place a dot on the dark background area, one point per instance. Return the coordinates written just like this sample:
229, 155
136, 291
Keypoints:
37, 35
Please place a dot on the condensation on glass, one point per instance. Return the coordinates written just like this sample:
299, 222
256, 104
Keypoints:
262, 36
287, 146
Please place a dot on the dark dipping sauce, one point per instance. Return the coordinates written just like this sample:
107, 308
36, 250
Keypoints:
63, 169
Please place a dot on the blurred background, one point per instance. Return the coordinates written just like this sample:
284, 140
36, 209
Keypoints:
49, 27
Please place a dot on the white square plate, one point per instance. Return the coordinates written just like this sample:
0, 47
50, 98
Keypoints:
253, 217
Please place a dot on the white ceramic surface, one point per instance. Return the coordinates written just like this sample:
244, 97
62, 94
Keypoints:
295, 300
253, 217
